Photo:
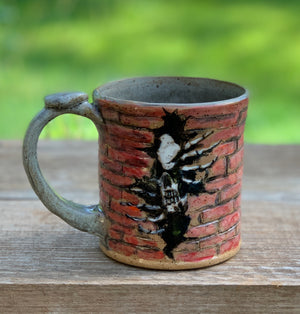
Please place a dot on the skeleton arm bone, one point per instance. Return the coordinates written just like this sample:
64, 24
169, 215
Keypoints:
197, 167
144, 230
199, 152
193, 142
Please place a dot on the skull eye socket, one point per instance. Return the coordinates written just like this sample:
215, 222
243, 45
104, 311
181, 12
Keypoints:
166, 180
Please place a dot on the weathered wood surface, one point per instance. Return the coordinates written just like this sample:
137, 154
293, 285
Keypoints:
46, 266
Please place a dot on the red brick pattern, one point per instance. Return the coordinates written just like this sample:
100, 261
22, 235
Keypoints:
215, 225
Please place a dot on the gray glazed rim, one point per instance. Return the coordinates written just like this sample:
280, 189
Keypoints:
171, 91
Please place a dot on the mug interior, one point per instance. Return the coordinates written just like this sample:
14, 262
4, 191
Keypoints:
175, 90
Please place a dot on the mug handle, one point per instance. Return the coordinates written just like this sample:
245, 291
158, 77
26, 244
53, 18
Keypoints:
85, 218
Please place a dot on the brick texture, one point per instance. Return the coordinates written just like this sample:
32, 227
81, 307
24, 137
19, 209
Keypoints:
126, 132
203, 230
216, 212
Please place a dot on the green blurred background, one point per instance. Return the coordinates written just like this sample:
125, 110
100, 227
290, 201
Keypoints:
68, 45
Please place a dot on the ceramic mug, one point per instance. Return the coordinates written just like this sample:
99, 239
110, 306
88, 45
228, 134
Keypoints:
170, 169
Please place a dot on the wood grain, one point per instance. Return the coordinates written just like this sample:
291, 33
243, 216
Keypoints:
46, 266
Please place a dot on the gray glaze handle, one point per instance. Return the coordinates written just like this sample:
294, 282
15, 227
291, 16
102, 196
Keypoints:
84, 218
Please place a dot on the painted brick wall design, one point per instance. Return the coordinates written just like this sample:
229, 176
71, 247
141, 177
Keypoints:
215, 215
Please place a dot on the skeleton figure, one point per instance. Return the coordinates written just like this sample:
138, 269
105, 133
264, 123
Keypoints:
173, 178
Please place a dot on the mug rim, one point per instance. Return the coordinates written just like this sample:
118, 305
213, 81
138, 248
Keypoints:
97, 93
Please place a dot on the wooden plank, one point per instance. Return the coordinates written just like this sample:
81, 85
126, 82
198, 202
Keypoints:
148, 299
46, 266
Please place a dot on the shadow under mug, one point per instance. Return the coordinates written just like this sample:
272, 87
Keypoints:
170, 169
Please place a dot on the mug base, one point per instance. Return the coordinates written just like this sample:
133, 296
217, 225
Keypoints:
166, 263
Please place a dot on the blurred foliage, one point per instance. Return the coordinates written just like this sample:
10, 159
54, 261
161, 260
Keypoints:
48, 46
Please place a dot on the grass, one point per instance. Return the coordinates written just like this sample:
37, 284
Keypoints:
52, 46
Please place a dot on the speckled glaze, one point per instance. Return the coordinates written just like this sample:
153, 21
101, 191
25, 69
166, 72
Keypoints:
170, 169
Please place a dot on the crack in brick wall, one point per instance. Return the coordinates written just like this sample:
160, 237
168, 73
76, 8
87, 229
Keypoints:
215, 215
